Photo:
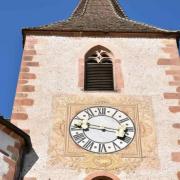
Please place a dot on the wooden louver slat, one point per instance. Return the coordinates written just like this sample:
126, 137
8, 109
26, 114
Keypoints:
99, 77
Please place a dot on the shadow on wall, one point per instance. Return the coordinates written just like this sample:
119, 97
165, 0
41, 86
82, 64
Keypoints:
178, 45
29, 160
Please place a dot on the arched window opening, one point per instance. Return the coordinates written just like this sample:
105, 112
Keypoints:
99, 71
102, 178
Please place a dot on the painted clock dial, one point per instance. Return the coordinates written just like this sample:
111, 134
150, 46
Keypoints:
102, 130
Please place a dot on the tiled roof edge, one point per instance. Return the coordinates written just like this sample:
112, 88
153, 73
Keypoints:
75, 12
118, 7
147, 25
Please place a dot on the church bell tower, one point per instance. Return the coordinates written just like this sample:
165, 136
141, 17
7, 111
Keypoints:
99, 96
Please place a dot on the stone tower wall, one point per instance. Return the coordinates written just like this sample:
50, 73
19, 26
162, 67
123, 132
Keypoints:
53, 66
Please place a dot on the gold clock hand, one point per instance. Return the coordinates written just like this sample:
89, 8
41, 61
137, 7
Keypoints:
81, 123
120, 132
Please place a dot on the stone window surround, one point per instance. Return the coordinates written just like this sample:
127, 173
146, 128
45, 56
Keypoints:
117, 73
101, 173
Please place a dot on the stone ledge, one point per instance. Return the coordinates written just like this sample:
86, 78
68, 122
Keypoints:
172, 95
177, 125
24, 102
175, 156
24, 75
167, 61
25, 88
33, 64
19, 116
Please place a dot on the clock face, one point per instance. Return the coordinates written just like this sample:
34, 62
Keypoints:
102, 130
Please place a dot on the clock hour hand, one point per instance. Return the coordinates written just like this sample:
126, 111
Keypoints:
83, 124
121, 131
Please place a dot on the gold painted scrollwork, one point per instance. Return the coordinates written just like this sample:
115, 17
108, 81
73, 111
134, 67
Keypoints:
63, 152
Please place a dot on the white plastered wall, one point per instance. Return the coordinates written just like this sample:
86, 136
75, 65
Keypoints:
58, 74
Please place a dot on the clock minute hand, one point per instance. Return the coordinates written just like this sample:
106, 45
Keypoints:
84, 124
101, 127
120, 132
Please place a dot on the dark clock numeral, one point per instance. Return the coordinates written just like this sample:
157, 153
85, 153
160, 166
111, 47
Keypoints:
114, 113
89, 145
90, 113
102, 148
130, 129
102, 111
116, 147
73, 128
124, 120
79, 137
127, 139
78, 118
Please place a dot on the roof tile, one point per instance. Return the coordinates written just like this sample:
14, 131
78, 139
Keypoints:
99, 16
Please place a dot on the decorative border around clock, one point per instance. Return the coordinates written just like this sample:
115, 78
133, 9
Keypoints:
78, 159
136, 124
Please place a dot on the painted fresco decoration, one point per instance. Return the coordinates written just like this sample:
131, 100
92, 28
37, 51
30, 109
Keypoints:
72, 153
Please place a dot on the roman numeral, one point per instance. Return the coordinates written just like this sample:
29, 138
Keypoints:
89, 145
130, 129
114, 113
79, 137
124, 120
78, 118
102, 148
73, 128
127, 139
90, 113
102, 110
116, 147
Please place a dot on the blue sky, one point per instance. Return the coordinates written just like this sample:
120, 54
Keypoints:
15, 15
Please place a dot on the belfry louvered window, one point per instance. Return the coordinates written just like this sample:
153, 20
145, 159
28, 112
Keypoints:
99, 72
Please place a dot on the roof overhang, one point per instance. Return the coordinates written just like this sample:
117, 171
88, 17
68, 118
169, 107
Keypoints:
18, 131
